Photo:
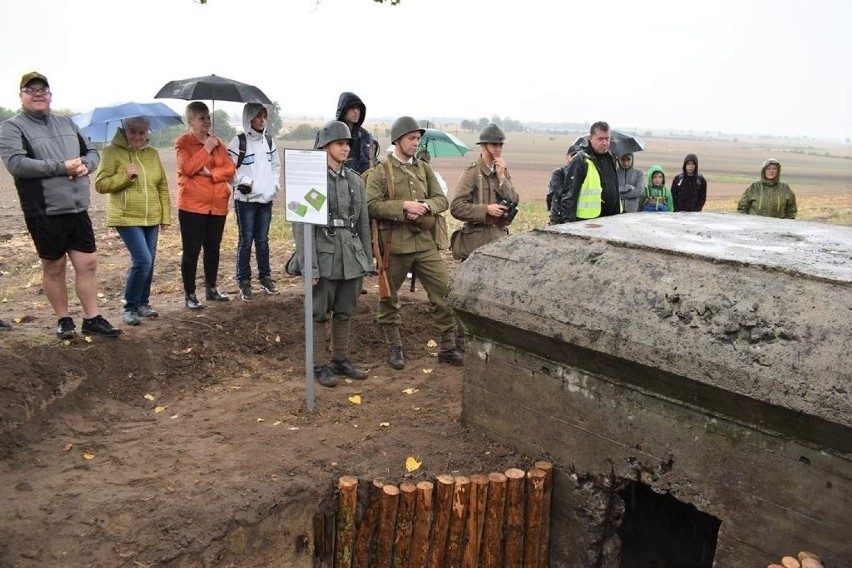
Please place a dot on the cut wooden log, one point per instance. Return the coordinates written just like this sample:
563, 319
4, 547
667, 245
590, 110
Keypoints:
805, 554
422, 523
809, 562
319, 535
514, 536
544, 546
532, 532
330, 528
367, 527
492, 534
387, 524
404, 524
475, 520
347, 502
443, 507
461, 498
790, 562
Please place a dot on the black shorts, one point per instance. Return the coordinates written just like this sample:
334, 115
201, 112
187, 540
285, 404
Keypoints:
55, 235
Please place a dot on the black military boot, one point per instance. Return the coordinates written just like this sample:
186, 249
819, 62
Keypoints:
214, 295
325, 376
448, 352
347, 369
395, 357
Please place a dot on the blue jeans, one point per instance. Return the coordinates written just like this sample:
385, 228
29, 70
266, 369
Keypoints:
141, 242
253, 221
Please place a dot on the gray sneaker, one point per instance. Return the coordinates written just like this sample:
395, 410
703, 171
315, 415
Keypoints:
245, 291
267, 284
147, 311
131, 317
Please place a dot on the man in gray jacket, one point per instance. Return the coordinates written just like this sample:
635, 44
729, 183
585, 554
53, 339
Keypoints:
50, 162
631, 184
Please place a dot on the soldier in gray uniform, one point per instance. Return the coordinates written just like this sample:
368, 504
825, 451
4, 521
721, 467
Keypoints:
342, 255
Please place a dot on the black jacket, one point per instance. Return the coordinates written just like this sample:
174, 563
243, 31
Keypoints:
689, 192
564, 204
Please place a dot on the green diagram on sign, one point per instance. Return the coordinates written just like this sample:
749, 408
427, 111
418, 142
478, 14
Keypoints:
315, 198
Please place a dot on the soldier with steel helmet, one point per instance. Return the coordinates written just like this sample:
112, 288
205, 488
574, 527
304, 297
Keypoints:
404, 196
341, 257
485, 198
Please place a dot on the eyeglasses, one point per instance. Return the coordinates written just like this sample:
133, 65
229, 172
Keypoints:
36, 90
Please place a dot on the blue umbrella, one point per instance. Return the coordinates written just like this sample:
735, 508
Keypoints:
100, 123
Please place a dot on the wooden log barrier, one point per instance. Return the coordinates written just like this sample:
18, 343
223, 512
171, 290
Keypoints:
369, 523
404, 524
348, 499
443, 508
475, 520
532, 533
514, 536
422, 523
387, 525
461, 498
544, 541
492, 534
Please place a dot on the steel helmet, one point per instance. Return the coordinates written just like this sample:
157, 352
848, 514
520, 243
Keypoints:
402, 126
331, 131
491, 134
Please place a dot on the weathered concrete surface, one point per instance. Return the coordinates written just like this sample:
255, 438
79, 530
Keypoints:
706, 355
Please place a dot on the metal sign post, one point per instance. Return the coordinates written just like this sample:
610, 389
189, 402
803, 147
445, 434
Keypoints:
306, 197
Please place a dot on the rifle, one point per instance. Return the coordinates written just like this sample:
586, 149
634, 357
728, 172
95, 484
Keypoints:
381, 260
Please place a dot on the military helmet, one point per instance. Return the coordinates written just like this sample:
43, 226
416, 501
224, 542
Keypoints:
331, 131
402, 126
491, 134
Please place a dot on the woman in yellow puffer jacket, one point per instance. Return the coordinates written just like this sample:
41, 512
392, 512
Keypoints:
138, 204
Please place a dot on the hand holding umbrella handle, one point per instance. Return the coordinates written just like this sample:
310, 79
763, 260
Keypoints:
131, 168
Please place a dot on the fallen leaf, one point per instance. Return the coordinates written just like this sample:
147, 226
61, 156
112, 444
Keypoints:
277, 339
149, 396
68, 447
276, 423
100, 294
384, 424
173, 416
159, 409
67, 342
88, 456
355, 399
87, 338
293, 428
260, 420
409, 391
412, 464
18, 320
427, 371
431, 343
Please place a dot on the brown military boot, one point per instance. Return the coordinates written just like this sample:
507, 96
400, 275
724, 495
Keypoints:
448, 353
395, 357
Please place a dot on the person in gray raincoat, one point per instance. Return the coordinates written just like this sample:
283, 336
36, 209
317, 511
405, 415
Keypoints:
631, 183
342, 255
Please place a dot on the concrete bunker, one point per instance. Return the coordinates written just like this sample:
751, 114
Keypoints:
705, 357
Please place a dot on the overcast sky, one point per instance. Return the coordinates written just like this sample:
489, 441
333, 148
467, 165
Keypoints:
737, 66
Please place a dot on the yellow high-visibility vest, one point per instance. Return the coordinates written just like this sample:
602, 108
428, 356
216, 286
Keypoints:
591, 193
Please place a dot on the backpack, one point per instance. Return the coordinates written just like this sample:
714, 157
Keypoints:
242, 140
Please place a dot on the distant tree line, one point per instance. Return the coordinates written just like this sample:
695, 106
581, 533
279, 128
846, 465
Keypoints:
507, 124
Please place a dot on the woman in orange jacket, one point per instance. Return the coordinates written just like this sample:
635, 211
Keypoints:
204, 172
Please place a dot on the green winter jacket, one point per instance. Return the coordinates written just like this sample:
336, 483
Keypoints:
140, 202
769, 198
657, 197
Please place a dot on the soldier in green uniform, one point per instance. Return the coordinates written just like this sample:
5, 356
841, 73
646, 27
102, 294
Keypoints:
406, 211
482, 195
342, 255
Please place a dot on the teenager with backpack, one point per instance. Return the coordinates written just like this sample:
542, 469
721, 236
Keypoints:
255, 184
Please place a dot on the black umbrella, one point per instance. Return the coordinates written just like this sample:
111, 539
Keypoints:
622, 143
212, 87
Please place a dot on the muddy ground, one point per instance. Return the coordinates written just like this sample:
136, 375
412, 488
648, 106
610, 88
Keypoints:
186, 441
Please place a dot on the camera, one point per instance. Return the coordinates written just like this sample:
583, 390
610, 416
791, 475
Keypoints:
244, 188
511, 209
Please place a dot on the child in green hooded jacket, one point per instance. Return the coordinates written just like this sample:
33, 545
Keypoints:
657, 196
